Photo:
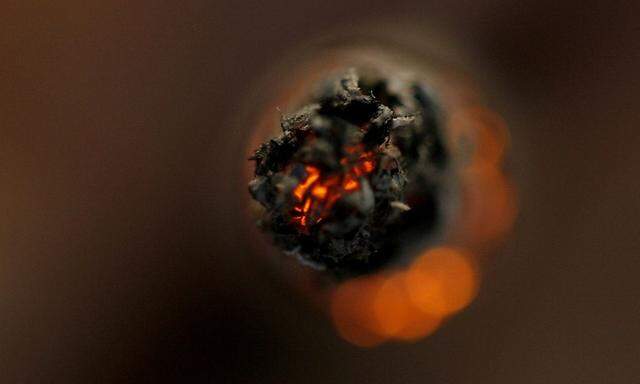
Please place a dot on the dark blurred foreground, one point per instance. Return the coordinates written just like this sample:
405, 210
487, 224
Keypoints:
123, 256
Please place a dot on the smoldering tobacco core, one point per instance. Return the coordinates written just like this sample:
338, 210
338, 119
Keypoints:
353, 173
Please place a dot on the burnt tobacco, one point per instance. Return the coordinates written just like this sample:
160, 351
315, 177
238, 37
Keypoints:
354, 172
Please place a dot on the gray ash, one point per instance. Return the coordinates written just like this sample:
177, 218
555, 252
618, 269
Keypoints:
352, 173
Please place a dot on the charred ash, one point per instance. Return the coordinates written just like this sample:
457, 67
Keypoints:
354, 173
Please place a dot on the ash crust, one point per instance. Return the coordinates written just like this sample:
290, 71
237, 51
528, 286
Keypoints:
374, 153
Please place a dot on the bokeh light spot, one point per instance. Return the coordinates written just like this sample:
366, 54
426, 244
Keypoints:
352, 310
442, 281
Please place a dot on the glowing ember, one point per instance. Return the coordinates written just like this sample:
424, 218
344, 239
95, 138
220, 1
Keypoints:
316, 194
312, 175
319, 191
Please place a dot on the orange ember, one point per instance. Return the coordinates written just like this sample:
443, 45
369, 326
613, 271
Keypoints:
316, 195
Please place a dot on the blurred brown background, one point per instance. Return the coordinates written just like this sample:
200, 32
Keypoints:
123, 256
